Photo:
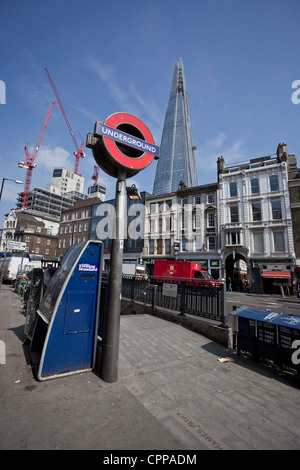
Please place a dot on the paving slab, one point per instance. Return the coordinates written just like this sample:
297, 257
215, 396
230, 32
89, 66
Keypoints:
172, 394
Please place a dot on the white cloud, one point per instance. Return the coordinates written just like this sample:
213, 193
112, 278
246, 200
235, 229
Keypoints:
130, 99
50, 158
212, 149
107, 73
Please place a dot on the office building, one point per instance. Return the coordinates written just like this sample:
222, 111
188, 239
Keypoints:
177, 151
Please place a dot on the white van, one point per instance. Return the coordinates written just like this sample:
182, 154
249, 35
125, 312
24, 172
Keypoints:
13, 263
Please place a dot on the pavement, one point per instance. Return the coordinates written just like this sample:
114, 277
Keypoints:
176, 391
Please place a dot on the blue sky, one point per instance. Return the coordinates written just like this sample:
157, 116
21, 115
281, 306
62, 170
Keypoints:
240, 59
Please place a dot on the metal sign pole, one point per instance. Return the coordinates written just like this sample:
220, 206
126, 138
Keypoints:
109, 366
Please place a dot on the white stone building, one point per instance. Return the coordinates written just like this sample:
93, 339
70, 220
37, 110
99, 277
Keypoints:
184, 226
256, 223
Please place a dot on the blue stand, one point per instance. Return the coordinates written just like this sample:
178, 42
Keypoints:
65, 336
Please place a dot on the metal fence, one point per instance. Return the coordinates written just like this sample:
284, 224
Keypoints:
184, 297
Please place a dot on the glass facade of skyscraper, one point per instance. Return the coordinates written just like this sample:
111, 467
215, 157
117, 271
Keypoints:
177, 159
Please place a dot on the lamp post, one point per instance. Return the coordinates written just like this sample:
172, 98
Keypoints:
8, 179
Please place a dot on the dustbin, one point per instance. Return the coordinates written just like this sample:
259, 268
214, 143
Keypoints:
65, 335
269, 335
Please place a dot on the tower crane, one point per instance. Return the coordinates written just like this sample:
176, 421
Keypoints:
79, 153
95, 175
29, 164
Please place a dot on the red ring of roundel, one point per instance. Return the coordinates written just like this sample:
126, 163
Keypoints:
123, 118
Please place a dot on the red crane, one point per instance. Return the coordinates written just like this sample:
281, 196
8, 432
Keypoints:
95, 175
78, 149
31, 158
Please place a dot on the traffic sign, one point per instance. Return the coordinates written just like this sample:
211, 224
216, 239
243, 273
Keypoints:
13, 245
122, 142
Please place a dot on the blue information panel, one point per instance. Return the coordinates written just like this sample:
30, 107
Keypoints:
65, 336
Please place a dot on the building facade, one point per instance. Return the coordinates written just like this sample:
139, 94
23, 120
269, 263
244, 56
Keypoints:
48, 203
256, 228
102, 228
39, 233
75, 225
65, 181
183, 225
177, 151
294, 189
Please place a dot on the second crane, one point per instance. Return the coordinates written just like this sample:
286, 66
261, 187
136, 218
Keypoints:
79, 150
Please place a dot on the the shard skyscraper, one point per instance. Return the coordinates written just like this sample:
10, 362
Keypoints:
177, 159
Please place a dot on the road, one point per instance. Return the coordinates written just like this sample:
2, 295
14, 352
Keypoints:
275, 303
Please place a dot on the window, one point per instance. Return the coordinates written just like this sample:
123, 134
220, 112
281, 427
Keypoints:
80, 227
256, 211
160, 224
211, 243
48, 242
38, 240
86, 227
196, 220
258, 242
37, 250
152, 207
233, 189
184, 201
274, 185
75, 228
278, 241
197, 200
168, 246
66, 229
60, 244
151, 247
47, 251
184, 244
184, 221
210, 219
210, 199
234, 213
159, 246
168, 223
152, 225
61, 230
161, 206
27, 239
198, 243
39, 229
233, 238
276, 210
255, 186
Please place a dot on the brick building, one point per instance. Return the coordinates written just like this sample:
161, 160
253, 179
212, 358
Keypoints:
38, 234
74, 225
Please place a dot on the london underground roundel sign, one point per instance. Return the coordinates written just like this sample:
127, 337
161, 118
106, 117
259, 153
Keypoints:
122, 142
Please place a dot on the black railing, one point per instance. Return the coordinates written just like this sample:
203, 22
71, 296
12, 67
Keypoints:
183, 296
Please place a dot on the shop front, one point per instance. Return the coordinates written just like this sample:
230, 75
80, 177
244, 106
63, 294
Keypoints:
272, 276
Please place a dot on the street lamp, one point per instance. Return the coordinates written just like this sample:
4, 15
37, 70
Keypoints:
133, 192
8, 179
